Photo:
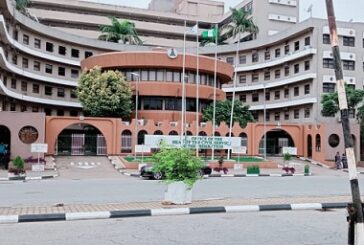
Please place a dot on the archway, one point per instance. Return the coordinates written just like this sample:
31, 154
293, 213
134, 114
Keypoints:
141, 137
173, 133
244, 139
309, 146
126, 141
5, 140
81, 139
276, 140
158, 132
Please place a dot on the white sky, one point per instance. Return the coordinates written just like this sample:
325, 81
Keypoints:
345, 9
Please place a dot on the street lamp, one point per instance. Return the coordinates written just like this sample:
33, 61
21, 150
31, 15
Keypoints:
264, 125
136, 109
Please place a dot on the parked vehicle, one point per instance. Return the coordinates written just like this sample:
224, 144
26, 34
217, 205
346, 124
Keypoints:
147, 172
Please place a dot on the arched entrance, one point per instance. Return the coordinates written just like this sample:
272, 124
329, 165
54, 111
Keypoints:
276, 140
81, 139
5, 140
309, 146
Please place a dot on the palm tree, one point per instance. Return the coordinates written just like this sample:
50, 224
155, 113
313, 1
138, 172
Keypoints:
240, 23
22, 5
120, 31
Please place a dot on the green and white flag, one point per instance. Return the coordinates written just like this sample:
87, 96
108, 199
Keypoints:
209, 33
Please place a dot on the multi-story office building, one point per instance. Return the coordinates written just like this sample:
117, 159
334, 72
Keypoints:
282, 71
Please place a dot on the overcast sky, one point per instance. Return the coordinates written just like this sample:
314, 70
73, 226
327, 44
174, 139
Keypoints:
345, 9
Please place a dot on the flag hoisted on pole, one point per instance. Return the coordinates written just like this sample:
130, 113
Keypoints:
214, 33
195, 30
183, 85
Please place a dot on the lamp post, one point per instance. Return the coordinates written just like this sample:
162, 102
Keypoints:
136, 109
264, 126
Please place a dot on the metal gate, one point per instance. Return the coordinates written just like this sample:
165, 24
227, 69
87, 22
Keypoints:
77, 144
101, 145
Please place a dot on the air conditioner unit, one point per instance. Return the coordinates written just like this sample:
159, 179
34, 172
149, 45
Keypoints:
159, 124
202, 124
173, 124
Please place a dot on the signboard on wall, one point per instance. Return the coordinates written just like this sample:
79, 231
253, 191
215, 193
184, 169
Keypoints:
142, 148
239, 150
39, 148
193, 142
289, 150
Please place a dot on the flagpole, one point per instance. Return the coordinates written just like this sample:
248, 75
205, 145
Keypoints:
214, 102
183, 84
197, 86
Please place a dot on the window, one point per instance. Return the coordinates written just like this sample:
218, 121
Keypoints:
349, 65
75, 53
24, 86
255, 77
318, 142
307, 89
48, 68
307, 112
328, 87
12, 107
277, 116
60, 113
5, 81
73, 113
363, 42
61, 71
15, 34
286, 70
255, 97
73, 94
267, 96
49, 47
25, 39
242, 78
296, 114
286, 93
62, 50
266, 75
307, 65
328, 63
13, 83
242, 59
334, 140
267, 116
88, 54
160, 75
35, 109
296, 91
152, 103
278, 52
255, 57
126, 139
297, 46
74, 73
286, 49
174, 104
15, 59
35, 88
242, 98
277, 94
36, 65
326, 39
296, 68
286, 115
48, 111
60, 92
267, 55
277, 73
23, 108
25, 63
37, 43
230, 60
349, 41
48, 90
307, 41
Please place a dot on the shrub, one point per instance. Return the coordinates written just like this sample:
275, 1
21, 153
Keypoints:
253, 169
177, 164
307, 169
287, 157
18, 163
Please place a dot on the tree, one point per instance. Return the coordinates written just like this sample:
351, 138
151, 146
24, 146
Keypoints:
241, 113
330, 102
120, 31
22, 5
104, 93
240, 23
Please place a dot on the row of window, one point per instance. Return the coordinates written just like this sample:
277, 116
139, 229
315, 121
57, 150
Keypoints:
347, 41
347, 64
267, 53
286, 114
277, 73
48, 90
171, 104
277, 94
6, 106
50, 47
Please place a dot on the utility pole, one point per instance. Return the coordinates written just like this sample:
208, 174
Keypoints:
356, 224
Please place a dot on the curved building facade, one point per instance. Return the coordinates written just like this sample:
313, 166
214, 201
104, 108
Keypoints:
281, 73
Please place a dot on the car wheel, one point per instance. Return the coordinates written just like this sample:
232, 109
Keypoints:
157, 175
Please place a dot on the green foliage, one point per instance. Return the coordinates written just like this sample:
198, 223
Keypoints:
287, 156
22, 5
330, 102
120, 31
18, 163
240, 23
253, 169
223, 109
177, 164
247, 159
307, 169
104, 93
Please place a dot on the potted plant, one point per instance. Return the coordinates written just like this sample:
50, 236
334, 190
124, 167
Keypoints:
287, 166
180, 170
18, 168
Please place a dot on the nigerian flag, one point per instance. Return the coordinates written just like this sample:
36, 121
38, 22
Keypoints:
209, 33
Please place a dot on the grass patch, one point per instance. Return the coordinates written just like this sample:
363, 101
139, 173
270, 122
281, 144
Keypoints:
138, 159
247, 159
